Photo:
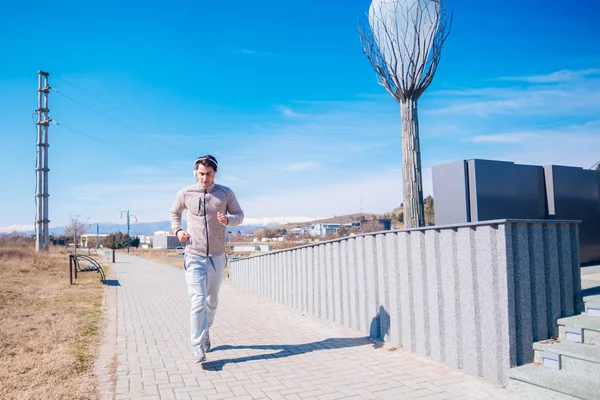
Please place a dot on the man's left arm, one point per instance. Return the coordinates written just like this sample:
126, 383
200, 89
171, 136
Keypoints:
235, 215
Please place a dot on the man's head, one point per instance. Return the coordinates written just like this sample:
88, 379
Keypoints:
205, 168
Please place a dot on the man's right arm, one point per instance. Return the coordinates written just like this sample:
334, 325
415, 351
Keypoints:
175, 212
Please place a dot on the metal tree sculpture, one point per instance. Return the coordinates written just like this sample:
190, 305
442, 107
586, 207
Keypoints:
403, 42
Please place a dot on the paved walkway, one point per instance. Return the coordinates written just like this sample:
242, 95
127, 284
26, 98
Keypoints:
262, 350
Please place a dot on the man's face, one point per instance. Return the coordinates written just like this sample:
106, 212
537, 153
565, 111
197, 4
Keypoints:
205, 175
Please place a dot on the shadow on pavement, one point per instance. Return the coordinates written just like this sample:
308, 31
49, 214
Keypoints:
286, 350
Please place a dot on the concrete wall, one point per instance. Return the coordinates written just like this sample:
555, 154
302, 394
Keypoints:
474, 296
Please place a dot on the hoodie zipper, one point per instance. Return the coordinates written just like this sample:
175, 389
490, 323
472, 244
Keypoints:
206, 229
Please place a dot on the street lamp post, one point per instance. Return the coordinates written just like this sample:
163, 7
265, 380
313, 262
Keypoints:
97, 236
129, 217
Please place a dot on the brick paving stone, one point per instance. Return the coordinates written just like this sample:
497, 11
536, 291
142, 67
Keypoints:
261, 350
331, 396
365, 393
440, 396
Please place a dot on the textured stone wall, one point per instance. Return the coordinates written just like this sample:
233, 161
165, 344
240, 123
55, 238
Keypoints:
473, 296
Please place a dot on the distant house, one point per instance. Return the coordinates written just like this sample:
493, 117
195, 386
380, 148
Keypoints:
89, 239
325, 229
165, 241
322, 230
145, 239
386, 223
298, 231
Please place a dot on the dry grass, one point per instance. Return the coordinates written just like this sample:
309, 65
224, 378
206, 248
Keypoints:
160, 255
286, 245
49, 330
171, 256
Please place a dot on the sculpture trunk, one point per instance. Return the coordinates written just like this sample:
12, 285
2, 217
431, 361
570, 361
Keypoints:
414, 215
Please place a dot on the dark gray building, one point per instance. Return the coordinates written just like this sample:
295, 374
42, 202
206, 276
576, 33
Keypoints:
482, 190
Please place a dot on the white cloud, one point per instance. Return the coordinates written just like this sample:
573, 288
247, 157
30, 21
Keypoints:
300, 166
560, 94
482, 108
278, 220
556, 77
16, 228
148, 200
504, 138
357, 150
147, 170
287, 111
378, 192
575, 145
252, 52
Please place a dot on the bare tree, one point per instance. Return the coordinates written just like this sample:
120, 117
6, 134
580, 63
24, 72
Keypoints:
75, 229
403, 42
260, 233
371, 226
429, 211
343, 231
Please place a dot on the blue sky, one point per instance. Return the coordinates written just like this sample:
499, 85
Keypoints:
282, 95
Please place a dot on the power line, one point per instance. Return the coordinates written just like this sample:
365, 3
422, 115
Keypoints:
100, 100
114, 106
108, 144
123, 123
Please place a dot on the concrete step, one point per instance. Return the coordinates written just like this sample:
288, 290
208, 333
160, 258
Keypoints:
592, 309
592, 299
592, 305
569, 356
537, 382
580, 328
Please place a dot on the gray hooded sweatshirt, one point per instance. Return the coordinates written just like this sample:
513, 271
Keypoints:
207, 234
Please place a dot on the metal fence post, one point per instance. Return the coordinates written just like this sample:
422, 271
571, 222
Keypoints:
70, 269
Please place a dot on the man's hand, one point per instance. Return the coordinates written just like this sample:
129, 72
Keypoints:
183, 236
222, 218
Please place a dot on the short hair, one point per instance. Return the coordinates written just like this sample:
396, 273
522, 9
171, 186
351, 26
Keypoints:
207, 161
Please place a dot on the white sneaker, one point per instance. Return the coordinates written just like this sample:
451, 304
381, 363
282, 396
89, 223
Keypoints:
199, 354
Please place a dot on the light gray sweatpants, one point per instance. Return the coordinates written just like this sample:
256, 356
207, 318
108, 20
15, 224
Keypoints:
204, 280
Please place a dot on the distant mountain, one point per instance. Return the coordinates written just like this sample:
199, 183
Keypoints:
144, 228
342, 219
338, 219
148, 228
